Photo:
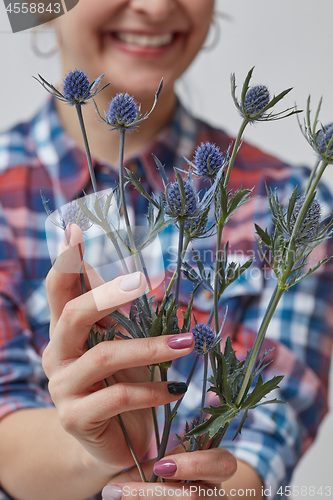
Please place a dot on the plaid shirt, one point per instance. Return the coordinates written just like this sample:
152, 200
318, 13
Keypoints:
38, 155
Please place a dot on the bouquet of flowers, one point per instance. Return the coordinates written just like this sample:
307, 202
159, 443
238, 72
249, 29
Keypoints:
298, 228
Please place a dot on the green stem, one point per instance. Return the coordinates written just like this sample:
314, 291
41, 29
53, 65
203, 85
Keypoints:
135, 458
217, 275
204, 387
235, 150
275, 298
189, 378
137, 258
180, 259
219, 436
173, 277
86, 147
123, 198
157, 433
311, 187
167, 427
313, 173
281, 287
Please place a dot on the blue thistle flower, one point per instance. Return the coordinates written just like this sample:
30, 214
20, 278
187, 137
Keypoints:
123, 111
76, 87
204, 338
256, 98
309, 226
208, 159
176, 207
73, 213
197, 226
323, 138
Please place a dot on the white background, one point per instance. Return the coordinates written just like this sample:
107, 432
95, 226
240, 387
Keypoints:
290, 44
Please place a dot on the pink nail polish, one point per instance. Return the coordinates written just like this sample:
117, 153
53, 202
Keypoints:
180, 341
165, 468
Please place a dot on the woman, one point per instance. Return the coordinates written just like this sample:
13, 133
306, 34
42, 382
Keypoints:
74, 449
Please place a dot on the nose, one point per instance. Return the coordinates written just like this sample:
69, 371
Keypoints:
156, 10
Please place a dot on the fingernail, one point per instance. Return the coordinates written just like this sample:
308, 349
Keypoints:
112, 492
180, 341
131, 282
165, 468
177, 388
67, 236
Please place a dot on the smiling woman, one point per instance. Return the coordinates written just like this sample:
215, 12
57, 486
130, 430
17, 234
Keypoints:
67, 434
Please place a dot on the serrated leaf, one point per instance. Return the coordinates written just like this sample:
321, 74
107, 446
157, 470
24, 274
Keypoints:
260, 391
263, 235
291, 205
139, 187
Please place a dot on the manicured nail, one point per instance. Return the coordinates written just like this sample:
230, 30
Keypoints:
165, 468
67, 237
180, 341
177, 388
131, 282
112, 492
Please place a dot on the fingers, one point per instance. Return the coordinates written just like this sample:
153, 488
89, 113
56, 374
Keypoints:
80, 313
113, 400
214, 465
107, 358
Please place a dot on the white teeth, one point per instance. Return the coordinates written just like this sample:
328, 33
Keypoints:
145, 40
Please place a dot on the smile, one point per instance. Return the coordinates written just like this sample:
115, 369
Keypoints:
144, 40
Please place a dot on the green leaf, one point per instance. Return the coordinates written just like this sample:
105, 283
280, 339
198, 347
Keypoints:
238, 199
139, 187
260, 391
263, 235
161, 170
246, 86
291, 205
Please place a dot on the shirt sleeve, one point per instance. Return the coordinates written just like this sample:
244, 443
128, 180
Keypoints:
275, 436
23, 383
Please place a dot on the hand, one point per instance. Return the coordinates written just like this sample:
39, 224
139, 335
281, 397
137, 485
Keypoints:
87, 407
206, 469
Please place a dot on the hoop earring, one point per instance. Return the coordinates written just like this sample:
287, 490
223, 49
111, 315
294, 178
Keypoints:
215, 25
45, 54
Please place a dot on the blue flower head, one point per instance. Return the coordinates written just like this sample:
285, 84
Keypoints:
72, 213
309, 226
76, 87
176, 207
208, 159
323, 139
123, 111
256, 98
204, 338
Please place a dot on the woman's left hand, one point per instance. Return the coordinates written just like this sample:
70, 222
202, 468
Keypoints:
206, 469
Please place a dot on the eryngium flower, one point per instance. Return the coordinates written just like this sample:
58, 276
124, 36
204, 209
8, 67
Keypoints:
176, 207
123, 111
76, 87
256, 98
208, 159
323, 139
204, 338
73, 213
309, 226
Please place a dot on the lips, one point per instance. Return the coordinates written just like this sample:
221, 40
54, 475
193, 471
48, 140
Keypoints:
145, 40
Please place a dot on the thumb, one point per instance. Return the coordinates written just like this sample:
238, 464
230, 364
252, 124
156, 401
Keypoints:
63, 280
